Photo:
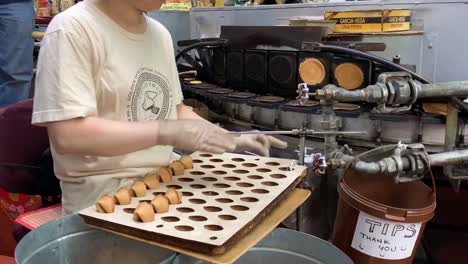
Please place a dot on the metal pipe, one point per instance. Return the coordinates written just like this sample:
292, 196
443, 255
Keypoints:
367, 167
446, 89
449, 158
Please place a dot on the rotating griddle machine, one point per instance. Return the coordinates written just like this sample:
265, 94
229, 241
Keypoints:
394, 95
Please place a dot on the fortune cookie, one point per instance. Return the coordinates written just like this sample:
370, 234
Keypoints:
165, 174
177, 168
143, 213
105, 204
151, 181
138, 189
187, 162
122, 196
174, 196
160, 204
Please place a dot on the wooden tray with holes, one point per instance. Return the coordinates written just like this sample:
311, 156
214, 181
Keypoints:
224, 197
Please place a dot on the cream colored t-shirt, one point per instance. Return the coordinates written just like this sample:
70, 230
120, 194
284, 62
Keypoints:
90, 66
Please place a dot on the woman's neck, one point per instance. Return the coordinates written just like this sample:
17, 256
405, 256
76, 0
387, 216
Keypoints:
123, 13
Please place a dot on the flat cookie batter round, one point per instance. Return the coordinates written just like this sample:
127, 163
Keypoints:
312, 71
195, 82
269, 99
345, 106
220, 90
349, 76
242, 95
307, 103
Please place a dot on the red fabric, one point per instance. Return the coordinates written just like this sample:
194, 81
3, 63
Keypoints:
12, 205
7, 260
34, 219
21, 143
15, 204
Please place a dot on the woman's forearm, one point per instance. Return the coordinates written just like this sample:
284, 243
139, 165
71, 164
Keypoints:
101, 137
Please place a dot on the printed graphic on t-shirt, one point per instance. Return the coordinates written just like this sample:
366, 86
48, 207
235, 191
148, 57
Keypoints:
150, 96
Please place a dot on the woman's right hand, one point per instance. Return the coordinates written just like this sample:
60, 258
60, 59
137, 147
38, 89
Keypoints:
195, 135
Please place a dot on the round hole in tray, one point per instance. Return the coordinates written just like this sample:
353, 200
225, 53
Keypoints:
240, 171
210, 193
249, 199
238, 159
177, 187
213, 238
234, 192
263, 170
129, 210
197, 201
260, 191
270, 183
187, 194
206, 155
185, 210
272, 163
206, 166
197, 173
197, 218
212, 209
250, 165
185, 179
244, 184
227, 217
170, 219
239, 208
158, 193
159, 226
219, 172
209, 179
197, 161
231, 178
184, 228
257, 159
197, 186
214, 227
216, 160
221, 185
224, 200
255, 177
278, 176
229, 166
284, 169
145, 201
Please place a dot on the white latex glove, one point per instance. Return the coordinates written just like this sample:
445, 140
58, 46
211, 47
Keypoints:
193, 135
259, 144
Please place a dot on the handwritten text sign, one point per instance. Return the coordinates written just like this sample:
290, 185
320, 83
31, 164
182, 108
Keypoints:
384, 239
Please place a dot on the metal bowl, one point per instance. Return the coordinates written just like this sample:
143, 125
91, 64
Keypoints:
69, 240
285, 246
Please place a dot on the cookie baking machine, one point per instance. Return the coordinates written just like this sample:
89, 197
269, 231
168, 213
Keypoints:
250, 78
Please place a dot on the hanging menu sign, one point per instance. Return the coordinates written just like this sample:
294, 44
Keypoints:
385, 239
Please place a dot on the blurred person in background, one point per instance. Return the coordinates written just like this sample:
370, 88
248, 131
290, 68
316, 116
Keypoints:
16, 50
